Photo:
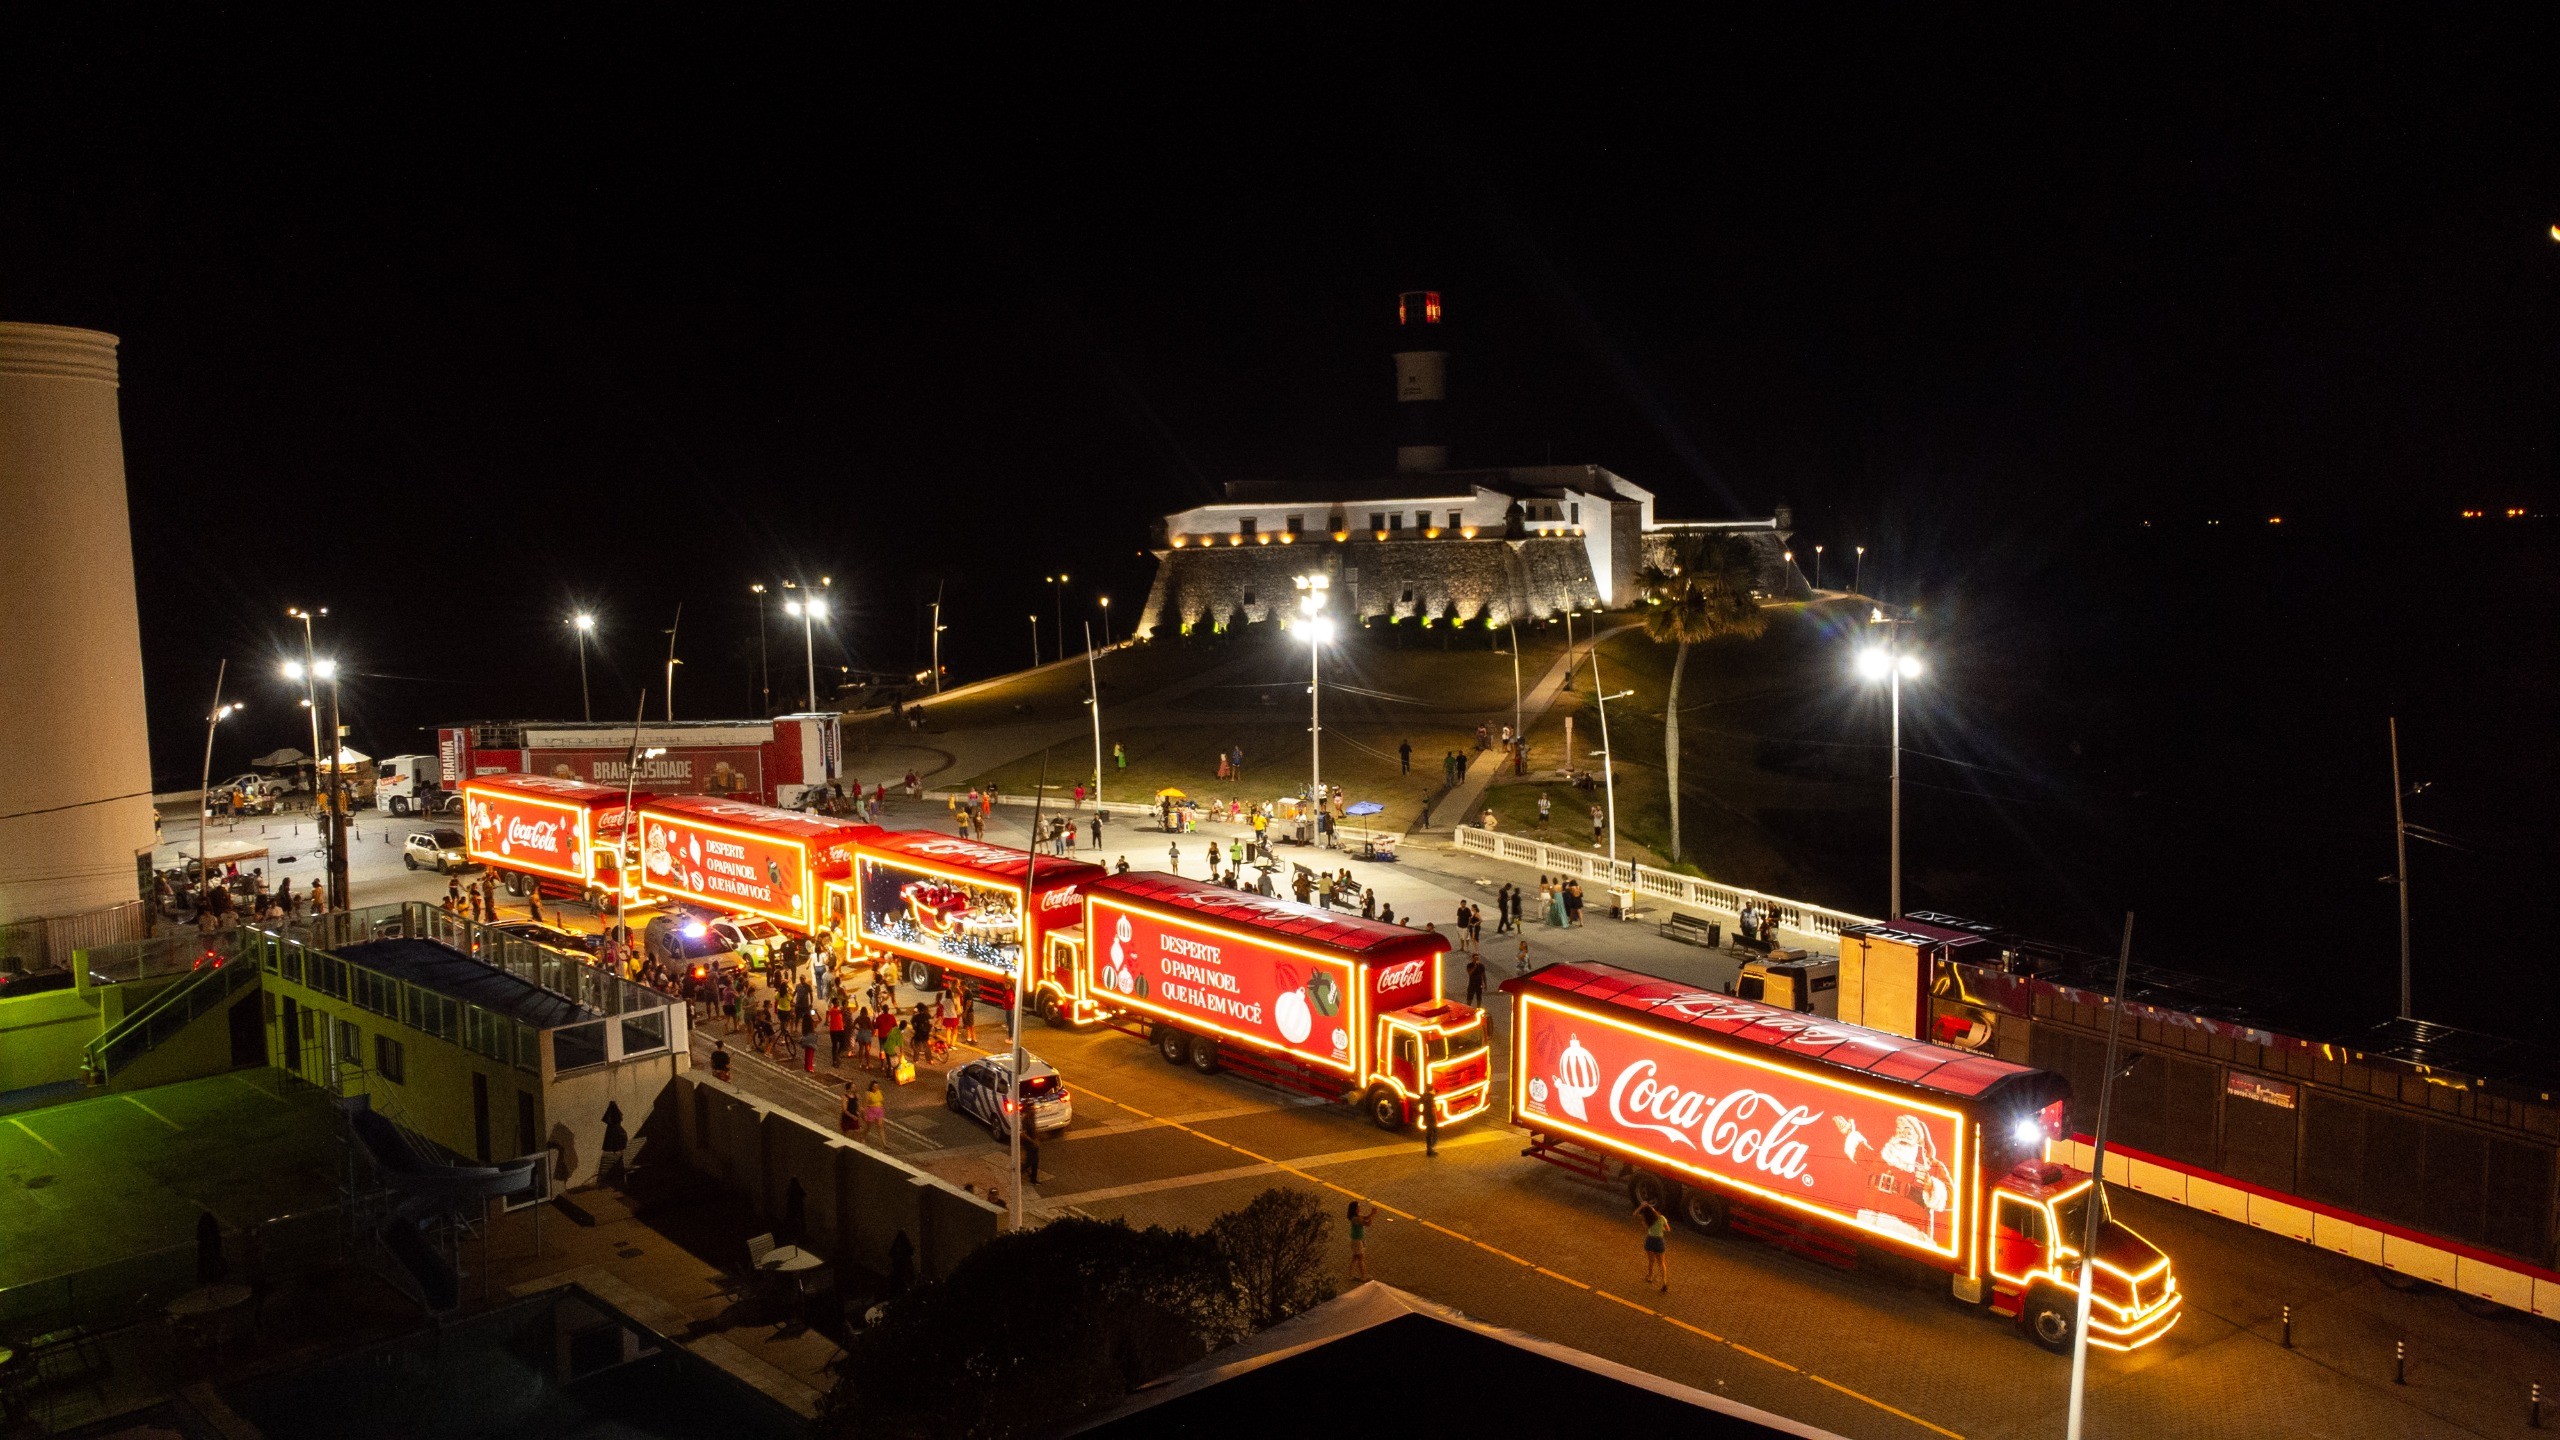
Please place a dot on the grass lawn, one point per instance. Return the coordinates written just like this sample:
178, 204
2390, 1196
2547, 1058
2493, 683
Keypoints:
1382, 687
101, 1181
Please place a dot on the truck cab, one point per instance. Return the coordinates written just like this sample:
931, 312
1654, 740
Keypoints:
1808, 985
2039, 1211
1438, 1047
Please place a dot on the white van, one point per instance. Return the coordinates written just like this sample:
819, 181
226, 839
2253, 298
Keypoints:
409, 785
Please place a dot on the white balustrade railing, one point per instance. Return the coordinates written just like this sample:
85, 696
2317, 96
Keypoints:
1818, 921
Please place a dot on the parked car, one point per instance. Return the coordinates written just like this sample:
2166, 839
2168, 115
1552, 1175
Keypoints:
552, 937
979, 1090
688, 937
439, 849
759, 941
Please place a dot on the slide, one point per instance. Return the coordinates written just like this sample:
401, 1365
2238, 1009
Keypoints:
427, 1188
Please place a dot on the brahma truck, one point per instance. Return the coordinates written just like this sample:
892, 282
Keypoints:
1847, 1144
1305, 999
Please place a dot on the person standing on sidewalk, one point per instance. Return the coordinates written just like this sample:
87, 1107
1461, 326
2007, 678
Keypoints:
1475, 980
1404, 757
1657, 1247
1359, 1215
1599, 819
875, 1115
1173, 857
1096, 831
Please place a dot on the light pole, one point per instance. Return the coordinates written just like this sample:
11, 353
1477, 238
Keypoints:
1312, 594
1608, 761
1887, 663
1058, 594
938, 628
672, 662
1568, 658
1106, 622
1035, 640
810, 611
335, 825
310, 696
1858, 573
764, 664
203, 787
1519, 735
585, 625
1817, 567
2400, 851
1093, 689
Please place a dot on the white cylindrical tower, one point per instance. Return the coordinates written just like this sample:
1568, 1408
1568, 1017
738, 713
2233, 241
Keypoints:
75, 756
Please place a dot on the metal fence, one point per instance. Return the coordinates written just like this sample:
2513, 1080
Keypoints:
164, 1015
51, 942
1819, 921
133, 1287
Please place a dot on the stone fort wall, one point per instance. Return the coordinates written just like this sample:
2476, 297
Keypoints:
1211, 587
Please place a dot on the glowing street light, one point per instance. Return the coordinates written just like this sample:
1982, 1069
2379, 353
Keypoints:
764, 665
1888, 663
585, 625
1106, 622
1313, 591
204, 785
1858, 573
1817, 567
1058, 594
314, 672
810, 611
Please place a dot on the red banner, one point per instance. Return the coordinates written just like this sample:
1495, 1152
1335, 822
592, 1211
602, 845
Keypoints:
1276, 996
1884, 1162
522, 832
726, 868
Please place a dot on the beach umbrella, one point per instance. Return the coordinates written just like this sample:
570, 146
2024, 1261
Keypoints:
1170, 793
1362, 807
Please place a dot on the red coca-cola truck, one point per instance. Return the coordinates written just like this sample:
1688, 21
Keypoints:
1838, 1141
1310, 1000
539, 831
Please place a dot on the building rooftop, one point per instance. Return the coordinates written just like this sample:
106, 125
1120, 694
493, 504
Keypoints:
449, 972
1543, 480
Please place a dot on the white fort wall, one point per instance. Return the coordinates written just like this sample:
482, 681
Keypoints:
75, 760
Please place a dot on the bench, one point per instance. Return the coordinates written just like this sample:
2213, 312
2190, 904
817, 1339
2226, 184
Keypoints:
1693, 930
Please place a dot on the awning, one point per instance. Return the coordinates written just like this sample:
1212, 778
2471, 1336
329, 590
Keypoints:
279, 759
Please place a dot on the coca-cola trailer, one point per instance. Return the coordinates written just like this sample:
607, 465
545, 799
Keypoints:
732, 855
1831, 1139
1309, 1000
538, 831
941, 903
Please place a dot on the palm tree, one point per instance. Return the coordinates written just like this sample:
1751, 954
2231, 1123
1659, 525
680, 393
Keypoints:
1702, 590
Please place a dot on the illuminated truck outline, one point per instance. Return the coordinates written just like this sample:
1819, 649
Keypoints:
1076, 987
593, 815
1782, 1081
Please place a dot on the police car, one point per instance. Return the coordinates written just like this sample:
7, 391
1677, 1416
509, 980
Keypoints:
978, 1090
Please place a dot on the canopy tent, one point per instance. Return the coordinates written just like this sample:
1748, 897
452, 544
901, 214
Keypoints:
284, 759
349, 758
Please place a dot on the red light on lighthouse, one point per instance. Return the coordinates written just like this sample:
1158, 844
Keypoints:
1425, 301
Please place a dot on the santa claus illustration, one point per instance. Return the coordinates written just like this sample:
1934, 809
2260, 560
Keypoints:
1907, 1187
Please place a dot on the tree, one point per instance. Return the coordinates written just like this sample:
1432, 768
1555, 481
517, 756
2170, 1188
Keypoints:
1275, 1249
1034, 1329
1701, 592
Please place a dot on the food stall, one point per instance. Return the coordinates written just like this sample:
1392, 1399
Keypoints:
943, 903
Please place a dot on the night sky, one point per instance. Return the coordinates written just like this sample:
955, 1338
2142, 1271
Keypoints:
459, 326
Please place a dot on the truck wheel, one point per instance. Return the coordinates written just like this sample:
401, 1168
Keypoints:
1048, 1008
924, 977
515, 885
399, 806
1647, 1188
1386, 1108
1704, 1210
1173, 1045
1204, 1055
2048, 1318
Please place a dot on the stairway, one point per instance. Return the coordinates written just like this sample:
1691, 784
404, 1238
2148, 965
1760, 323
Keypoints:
208, 989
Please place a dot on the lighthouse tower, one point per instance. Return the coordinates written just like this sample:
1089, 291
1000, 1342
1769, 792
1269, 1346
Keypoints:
1422, 385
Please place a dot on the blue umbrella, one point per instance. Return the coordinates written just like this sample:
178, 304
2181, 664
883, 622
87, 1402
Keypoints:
1362, 807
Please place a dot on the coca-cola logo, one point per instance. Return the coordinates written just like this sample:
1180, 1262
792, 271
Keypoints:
1062, 898
542, 835
1747, 1127
1799, 1029
1398, 976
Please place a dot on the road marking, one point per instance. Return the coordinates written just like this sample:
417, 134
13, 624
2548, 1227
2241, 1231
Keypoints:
1871, 1400
1505, 1254
21, 1124
1694, 1330
1756, 1355
1630, 1304
1552, 1275
154, 1114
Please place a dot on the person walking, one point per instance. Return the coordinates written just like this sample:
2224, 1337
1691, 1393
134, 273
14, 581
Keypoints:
1119, 757
862, 1032
838, 1024
875, 1115
1030, 1157
1502, 909
849, 1118
1599, 819
892, 1042
1173, 857
1096, 831
1404, 757
1359, 1214
1657, 1246
1572, 903
1475, 980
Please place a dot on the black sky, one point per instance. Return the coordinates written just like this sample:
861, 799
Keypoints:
456, 325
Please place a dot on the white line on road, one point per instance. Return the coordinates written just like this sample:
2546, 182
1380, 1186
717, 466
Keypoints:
1272, 1167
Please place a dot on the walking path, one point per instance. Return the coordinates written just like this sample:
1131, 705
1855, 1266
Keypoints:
952, 759
1458, 806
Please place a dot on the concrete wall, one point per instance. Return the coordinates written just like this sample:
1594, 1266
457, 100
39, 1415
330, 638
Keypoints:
75, 763
201, 1049
572, 1108
1489, 580
856, 1200
42, 1036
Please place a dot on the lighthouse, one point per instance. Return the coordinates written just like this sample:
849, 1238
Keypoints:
1422, 385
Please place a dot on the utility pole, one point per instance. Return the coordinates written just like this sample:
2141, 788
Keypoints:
628, 851
204, 786
1030, 932
2094, 1213
1518, 733
764, 664
2400, 852
337, 803
671, 661
1093, 687
937, 637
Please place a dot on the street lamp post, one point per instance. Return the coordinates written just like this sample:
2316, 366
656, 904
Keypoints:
204, 786
810, 612
1106, 622
1888, 664
334, 822
1817, 567
1312, 593
1058, 594
673, 662
585, 625
1858, 573
1608, 762
310, 695
764, 663
1093, 690
1035, 640
938, 628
